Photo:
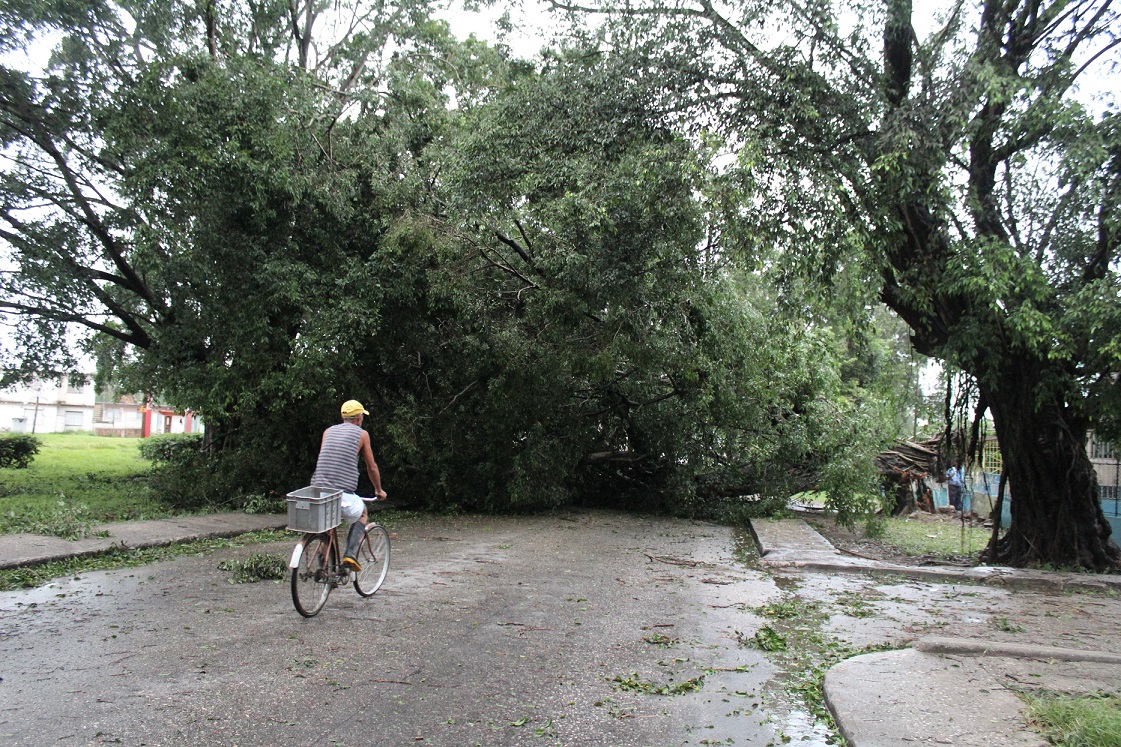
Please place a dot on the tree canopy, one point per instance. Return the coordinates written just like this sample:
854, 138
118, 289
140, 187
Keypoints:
952, 170
262, 209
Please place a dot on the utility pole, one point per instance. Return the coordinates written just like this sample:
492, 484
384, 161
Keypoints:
35, 417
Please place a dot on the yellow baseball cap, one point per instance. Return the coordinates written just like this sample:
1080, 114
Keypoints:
352, 408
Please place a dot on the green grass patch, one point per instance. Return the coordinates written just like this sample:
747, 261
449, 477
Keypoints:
941, 539
1082, 721
78, 480
29, 577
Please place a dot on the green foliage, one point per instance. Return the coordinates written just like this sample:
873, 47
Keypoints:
634, 683
740, 510
196, 480
189, 478
854, 604
765, 639
18, 450
519, 287
256, 567
795, 638
588, 349
1077, 721
170, 448
64, 518
850, 185
236, 257
265, 504
788, 609
1004, 625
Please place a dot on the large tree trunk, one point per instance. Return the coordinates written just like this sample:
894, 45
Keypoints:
1057, 516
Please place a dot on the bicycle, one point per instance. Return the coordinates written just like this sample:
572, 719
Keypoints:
317, 568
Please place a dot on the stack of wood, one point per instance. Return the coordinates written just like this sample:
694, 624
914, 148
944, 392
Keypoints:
910, 459
908, 468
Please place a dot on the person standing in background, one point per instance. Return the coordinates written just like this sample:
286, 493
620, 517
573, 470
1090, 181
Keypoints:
955, 481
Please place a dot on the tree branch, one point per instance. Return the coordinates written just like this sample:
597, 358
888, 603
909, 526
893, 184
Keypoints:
70, 317
514, 245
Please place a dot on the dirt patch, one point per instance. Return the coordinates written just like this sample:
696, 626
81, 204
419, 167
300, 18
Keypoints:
855, 542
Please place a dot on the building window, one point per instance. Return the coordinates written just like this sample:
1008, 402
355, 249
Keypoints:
74, 420
75, 385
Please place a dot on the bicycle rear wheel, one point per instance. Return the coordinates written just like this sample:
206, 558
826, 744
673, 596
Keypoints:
373, 556
311, 580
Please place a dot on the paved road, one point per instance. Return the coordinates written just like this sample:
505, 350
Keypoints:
557, 630
506, 631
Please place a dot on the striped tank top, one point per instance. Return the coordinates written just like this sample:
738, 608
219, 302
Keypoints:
337, 467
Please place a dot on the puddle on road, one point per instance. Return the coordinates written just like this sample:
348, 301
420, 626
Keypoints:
748, 716
800, 727
744, 548
88, 589
46, 594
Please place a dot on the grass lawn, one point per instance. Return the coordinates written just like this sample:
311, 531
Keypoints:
77, 480
1083, 721
935, 537
944, 538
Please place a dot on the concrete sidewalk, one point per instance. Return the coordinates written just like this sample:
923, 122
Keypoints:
792, 544
942, 691
17, 550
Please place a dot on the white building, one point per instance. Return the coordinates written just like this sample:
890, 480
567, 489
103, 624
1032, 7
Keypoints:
47, 407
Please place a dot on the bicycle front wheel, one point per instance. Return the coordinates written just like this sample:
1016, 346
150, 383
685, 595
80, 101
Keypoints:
311, 580
373, 556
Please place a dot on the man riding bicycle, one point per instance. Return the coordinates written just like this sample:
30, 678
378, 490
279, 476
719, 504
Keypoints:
341, 450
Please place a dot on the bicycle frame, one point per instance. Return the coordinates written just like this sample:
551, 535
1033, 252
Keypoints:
313, 577
332, 549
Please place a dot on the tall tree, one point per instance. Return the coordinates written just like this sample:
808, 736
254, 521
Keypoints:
260, 215
158, 133
953, 167
189, 182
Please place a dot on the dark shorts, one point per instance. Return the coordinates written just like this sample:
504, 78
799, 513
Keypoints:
955, 496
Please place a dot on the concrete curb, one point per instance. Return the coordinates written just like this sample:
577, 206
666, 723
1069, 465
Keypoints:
22, 550
793, 544
974, 647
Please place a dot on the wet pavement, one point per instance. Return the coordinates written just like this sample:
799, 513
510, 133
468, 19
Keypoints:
970, 641
579, 629
590, 629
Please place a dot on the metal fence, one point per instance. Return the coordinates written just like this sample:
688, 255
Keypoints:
979, 496
1110, 493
